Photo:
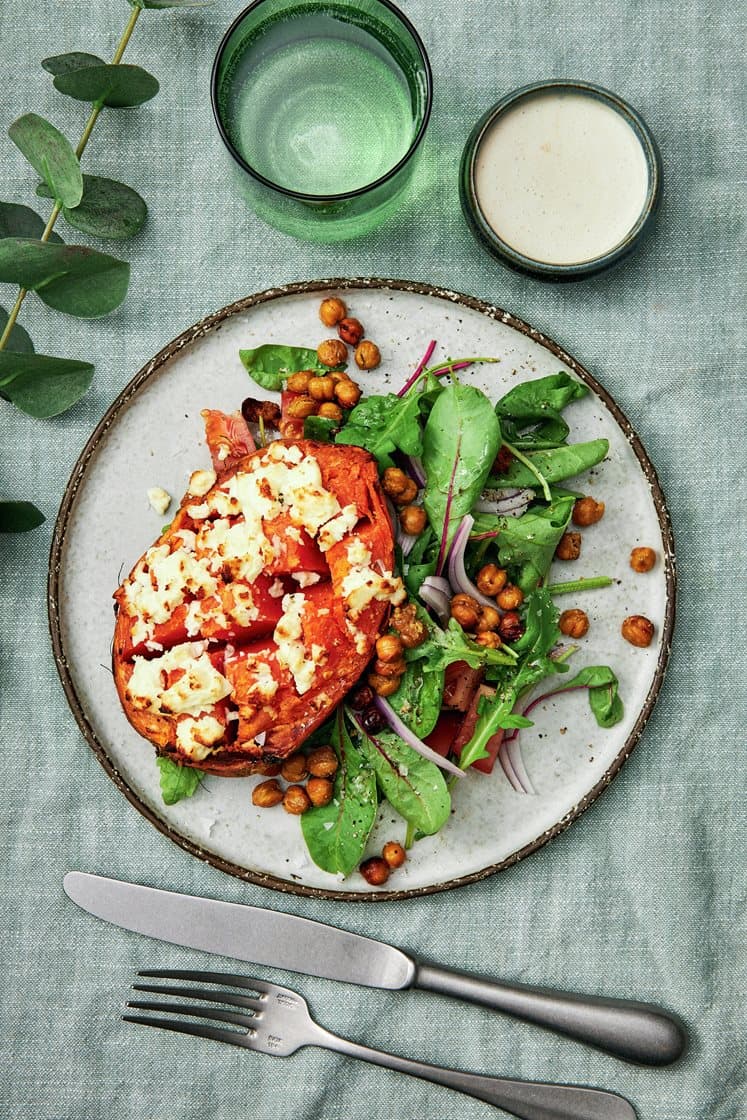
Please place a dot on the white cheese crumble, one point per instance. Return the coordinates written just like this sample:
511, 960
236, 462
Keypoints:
277, 590
335, 530
242, 608
159, 500
363, 584
291, 651
200, 686
196, 737
160, 583
306, 579
200, 482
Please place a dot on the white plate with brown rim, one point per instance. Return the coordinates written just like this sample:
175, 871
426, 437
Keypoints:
152, 436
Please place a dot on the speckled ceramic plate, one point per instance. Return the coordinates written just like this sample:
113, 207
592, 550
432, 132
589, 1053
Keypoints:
152, 436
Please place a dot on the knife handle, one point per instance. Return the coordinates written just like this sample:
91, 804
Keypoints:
636, 1032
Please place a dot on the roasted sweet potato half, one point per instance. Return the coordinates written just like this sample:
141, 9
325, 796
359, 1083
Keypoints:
249, 619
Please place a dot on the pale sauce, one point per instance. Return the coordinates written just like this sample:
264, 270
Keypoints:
561, 177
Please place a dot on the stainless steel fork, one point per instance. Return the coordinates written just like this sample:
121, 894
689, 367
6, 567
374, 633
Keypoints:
276, 1021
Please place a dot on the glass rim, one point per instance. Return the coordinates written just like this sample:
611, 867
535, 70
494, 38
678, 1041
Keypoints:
302, 196
503, 250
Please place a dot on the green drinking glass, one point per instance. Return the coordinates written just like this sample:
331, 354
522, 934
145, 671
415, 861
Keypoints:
322, 107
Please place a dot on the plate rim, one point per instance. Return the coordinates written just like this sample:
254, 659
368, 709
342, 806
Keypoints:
187, 338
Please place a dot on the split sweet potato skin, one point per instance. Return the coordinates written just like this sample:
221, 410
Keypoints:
282, 723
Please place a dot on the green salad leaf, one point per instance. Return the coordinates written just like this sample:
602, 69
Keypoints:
384, 424
603, 687
414, 786
528, 543
272, 364
177, 782
554, 465
418, 698
336, 833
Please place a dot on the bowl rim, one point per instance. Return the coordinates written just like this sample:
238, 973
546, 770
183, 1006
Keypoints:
302, 196
502, 249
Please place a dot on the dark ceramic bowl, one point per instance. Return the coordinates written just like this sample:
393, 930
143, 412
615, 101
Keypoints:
501, 249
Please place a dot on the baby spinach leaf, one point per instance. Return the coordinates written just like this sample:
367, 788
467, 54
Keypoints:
413, 786
529, 542
320, 428
40, 385
461, 439
19, 342
51, 155
19, 517
177, 782
533, 401
384, 424
603, 686
421, 561
107, 209
22, 221
554, 465
71, 278
336, 833
270, 365
117, 86
74, 60
418, 698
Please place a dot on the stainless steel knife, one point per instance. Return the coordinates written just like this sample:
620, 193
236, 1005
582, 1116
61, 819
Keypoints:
636, 1032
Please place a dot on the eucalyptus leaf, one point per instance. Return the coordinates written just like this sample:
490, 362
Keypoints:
71, 278
19, 517
118, 87
51, 155
74, 60
22, 221
107, 209
41, 385
18, 341
161, 4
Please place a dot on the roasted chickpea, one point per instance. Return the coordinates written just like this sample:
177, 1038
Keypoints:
294, 768
347, 393
320, 791
642, 559
489, 639
393, 854
296, 800
587, 511
339, 375
332, 352
569, 547
299, 382
300, 408
489, 620
322, 762
574, 623
466, 611
511, 627
330, 411
331, 311
267, 794
411, 630
350, 331
383, 686
638, 630
321, 388
491, 579
389, 668
389, 647
367, 355
409, 494
394, 481
374, 871
413, 519
510, 598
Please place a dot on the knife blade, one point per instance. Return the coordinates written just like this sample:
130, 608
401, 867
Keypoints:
636, 1032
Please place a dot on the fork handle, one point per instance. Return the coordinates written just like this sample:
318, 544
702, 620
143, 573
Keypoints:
636, 1032
529, 1100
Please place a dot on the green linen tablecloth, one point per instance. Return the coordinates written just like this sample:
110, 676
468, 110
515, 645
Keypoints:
644, 897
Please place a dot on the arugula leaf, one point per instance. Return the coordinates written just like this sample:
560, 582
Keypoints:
270, 365
460, 442
177, 782
443, 647
413, 786
528, 543
554, 465
336, 833
603, 686
383, 424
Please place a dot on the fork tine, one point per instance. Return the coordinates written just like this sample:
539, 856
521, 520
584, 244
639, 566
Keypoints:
234, 1038
233, 998
228, 979
218, 1014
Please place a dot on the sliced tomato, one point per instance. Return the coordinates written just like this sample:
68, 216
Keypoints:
228, 438
453, 731
441, 738
467, 730
460, 683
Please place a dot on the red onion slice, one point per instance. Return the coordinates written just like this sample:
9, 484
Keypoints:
508, 769
436, 593
504, 503
515, 757
458, 577
409, 737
